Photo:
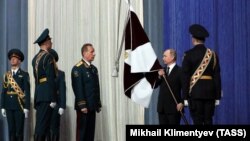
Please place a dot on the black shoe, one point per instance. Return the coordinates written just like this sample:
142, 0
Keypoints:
20, 138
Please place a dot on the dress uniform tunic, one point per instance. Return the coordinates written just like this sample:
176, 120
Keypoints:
85, 83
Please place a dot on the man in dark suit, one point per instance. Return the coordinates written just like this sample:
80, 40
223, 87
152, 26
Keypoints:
85, 84
168, 109
45, 87
15, 97
60, 100
201, 77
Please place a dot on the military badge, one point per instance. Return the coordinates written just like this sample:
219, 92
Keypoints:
76, 73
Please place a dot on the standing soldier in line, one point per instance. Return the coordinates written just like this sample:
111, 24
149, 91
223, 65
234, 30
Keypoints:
15, 97
60, 100
44, 71
201, 76
85, 84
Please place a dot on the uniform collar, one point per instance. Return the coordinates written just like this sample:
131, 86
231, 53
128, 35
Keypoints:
15, 70
88, 63
199, 45
43, 50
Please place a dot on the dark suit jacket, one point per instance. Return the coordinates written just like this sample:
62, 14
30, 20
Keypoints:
44, 91
85, 84
10, 101
203, 89
166, 103
61, 90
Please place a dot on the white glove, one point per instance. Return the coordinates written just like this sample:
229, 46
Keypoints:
26, 113
217, 102
60, 111
52, 104
185, 103
3, 112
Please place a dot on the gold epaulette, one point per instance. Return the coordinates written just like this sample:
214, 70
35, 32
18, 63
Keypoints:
79, 64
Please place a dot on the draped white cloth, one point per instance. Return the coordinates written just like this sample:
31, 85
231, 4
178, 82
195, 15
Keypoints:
73, 23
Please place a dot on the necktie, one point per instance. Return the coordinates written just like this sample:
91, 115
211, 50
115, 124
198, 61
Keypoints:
167, 71
13, 73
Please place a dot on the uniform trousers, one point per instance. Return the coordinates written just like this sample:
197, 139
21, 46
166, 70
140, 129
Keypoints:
85, 126
55, 122
15, 119
43, 116
202, 111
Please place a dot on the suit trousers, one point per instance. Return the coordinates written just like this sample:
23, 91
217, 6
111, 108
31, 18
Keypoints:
169, 118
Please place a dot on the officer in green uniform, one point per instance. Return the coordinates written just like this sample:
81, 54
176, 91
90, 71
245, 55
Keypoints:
44, 71
85, 84
60, 100
15, 97
201, 77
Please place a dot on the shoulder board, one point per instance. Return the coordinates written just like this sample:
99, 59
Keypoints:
79, 64
6, 74
46, 55
24, 71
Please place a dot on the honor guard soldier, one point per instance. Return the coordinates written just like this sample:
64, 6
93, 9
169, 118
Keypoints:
60, 100
85, 84
201, 76
15, 97
44, 71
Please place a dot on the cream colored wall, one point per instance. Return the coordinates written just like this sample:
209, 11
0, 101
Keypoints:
73, 23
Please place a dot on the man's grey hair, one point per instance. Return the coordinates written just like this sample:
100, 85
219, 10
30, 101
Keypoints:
173, 53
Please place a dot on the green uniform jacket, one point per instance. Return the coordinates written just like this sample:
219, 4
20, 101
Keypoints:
85, 84
45, 86
203, 89
9, 99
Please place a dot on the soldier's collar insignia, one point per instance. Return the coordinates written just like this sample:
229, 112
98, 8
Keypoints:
86, 65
